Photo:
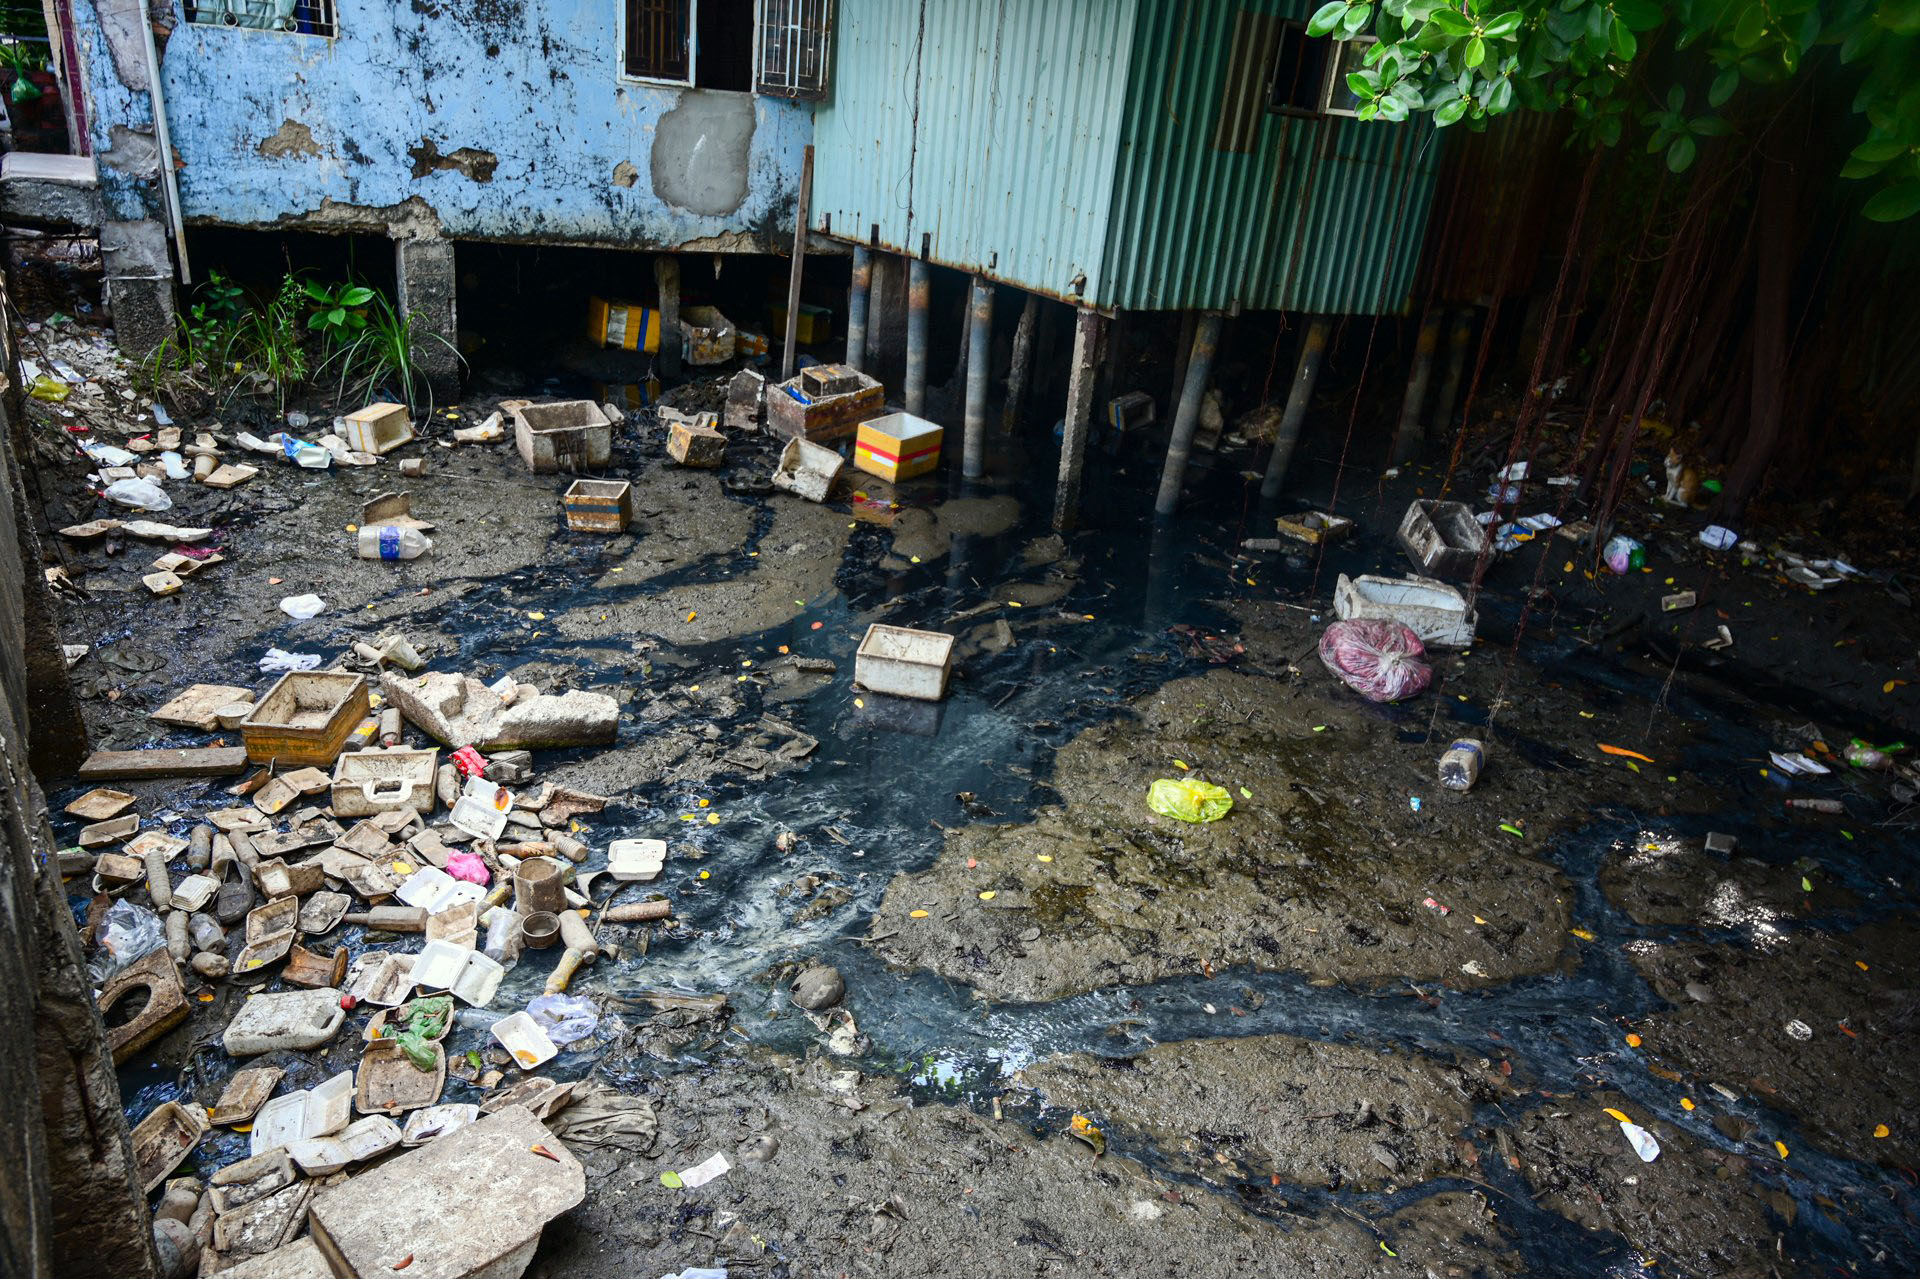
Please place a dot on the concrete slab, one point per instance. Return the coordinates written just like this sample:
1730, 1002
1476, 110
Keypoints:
473, 1202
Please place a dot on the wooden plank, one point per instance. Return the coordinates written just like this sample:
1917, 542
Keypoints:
207, 761
198, 707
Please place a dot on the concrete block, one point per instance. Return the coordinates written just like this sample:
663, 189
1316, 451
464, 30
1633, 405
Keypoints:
472, 1203
457, 711
301, 1259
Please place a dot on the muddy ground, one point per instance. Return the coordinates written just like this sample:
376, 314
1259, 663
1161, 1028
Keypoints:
1361, 1025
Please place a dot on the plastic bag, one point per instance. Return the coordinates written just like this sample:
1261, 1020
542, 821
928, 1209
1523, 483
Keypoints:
1380, 660
279, 661
144, 495
128, 933
468, 866
426, 1022
1623, 555
565, 1018
1189, 799
303, 606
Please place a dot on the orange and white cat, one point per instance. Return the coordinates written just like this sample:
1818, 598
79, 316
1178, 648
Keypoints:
1683, 480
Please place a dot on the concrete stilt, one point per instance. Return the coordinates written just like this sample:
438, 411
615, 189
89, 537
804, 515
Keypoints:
1021, 370
1313, 345
1182, 348
1087, 332
918, 290
666, 276
1459, 337
428, 283
979, 338
139, 284
1206, 340
857, 307
1408, 438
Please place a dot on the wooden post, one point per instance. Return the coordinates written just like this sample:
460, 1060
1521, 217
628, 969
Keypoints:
1022, 367
1073, 440
788, 353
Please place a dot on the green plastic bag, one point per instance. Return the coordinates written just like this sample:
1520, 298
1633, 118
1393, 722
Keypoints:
1188, 799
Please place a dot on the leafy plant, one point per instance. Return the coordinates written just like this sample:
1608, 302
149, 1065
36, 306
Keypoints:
339, 311
1467, 60
383, 352
269, 342
22, 58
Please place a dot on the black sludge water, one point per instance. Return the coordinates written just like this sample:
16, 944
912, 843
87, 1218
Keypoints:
873, 800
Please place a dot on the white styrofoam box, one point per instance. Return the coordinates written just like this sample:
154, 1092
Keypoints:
478, 811
357, 1142
437, 1121
1432, 610
435, 891
904, 663
439, 964
524, 1041
636, 859
304, 1114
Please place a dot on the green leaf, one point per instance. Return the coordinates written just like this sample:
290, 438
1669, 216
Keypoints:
1895, 203
1709, 126
1624, 43
1676, 98
358, 295
1450, 111
1361, 86
1503, 25
1639, 15
1502, 96
1680, 154
1476, 52
1723, 86
1751, 26
1356, 18
336, 316
1452, 22
1862, 40
1326, 18
1858, 168
318, 320
1392, 109
1880, 150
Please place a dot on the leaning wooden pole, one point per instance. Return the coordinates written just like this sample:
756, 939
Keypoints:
787, 353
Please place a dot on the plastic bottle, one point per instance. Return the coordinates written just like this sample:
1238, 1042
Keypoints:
1460, 766
392, 542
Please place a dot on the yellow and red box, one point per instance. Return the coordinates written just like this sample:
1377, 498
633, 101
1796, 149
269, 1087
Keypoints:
627, 325
897, 447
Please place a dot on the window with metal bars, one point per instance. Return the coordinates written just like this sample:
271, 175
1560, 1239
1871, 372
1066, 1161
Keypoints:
298, 17
660, 40
794, 46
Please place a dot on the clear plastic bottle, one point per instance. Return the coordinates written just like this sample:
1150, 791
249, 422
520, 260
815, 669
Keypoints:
1460, 766
392, 542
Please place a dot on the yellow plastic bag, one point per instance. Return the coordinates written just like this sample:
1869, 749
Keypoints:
1188, 799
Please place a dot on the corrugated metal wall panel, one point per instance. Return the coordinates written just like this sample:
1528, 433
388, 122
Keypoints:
1322, 214
988, 126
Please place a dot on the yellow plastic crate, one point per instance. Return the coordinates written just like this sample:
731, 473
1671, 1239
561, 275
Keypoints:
816, 323
897, 447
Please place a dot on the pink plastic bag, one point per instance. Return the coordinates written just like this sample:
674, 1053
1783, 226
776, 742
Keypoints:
1379, 660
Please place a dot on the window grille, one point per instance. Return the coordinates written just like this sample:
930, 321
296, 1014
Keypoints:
795, 43
298, 17
659, 40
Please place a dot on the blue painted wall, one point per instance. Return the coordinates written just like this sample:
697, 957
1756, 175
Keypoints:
498, 119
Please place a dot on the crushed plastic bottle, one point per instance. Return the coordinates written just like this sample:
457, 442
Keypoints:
1460, 766
50, 390
392, 542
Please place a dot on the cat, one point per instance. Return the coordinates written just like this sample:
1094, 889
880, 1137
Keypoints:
1683, 481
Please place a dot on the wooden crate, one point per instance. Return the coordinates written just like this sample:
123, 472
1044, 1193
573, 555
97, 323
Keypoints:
305, 718
598, 506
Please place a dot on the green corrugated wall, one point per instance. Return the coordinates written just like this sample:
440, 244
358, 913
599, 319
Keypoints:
1322, 215
1035, 141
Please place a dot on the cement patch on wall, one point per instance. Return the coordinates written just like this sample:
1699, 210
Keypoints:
700, 151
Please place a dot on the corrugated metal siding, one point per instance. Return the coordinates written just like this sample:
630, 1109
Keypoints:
1322, 215
988, 126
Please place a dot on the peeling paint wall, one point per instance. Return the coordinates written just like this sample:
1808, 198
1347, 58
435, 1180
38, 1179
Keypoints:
505, 120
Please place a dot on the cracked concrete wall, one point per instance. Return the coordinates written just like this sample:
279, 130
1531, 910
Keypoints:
505, 120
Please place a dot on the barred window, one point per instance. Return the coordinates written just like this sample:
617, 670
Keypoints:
298, 17
774, 47
794, 47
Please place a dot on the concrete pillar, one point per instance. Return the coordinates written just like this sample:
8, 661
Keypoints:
1182, 347
1087, 333
1313, 345
887, 321
1113, 354
139, 283
857, 307
979, 341
428, 284
1408, 437
1458, 339
918, 292
666, 275
1206, 339
1020, 372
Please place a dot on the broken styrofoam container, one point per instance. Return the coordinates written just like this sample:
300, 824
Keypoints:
435, 891
1434, 611
359, 1141
472, 1203
439, 964
193, 892
1442, 538
304, 1114
437, 1121
481, 811
904, 663
379, 428
383, 979
807, 470
293, 1019
634, 860
524, 1041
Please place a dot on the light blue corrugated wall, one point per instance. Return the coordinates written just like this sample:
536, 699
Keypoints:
989, 127
1321, 215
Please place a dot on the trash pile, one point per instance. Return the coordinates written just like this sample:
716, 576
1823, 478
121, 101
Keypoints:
345, 816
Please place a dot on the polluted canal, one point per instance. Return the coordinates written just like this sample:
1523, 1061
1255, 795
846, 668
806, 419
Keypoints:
1614, 1010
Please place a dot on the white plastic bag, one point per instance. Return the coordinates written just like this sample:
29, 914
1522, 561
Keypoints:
142, 495
565, 1018
128, 933
302, 607
278, 661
